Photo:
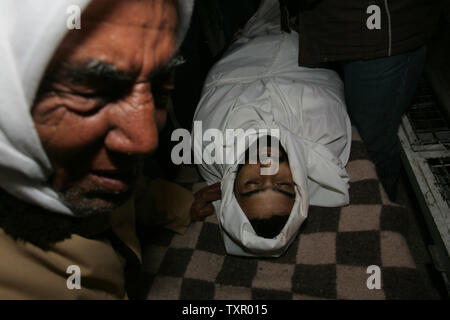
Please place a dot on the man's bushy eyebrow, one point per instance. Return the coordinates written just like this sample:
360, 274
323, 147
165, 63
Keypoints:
92, 70
290, 195
253, 192
166, 69
88, 71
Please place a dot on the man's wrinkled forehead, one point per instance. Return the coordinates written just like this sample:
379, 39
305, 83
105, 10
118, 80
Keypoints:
139, 13
127, 34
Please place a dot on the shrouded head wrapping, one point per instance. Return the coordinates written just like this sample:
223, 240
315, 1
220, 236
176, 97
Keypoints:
240, 237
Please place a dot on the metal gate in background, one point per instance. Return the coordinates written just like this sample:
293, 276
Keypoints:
425, 139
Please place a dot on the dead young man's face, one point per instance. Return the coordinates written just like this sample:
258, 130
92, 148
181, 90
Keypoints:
95, 112
262, 196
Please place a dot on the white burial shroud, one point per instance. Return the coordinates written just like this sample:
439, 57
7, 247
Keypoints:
258, 84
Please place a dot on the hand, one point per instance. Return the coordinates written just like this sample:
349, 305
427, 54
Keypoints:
202, 206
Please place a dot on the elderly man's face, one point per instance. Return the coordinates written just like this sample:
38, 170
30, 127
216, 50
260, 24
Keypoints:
96, 112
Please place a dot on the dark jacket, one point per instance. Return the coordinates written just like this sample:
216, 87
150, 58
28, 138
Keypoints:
37, 247
336, 30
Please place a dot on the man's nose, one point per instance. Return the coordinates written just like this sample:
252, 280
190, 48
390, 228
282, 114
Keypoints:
133, 128
268, 181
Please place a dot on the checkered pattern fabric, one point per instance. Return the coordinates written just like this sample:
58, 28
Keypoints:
328, 260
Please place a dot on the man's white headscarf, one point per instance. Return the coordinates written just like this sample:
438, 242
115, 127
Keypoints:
30, 32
